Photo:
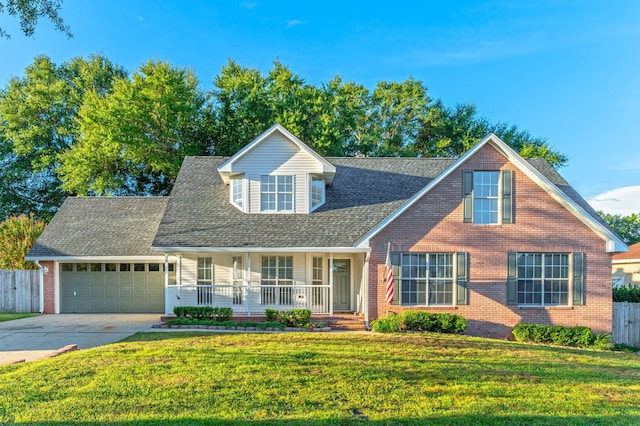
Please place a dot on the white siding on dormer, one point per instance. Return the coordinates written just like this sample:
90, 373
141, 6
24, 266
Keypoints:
277, 155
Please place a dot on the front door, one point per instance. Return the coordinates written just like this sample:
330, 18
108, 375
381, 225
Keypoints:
342, 285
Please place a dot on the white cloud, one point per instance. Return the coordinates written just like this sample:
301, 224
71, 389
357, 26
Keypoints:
293, 23
623, 201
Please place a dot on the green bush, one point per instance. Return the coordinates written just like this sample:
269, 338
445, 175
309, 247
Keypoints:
434, 322
581, 337
292, 318
389, 324
630, 293
203, 313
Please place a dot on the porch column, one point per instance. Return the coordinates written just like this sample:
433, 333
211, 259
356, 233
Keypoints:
166, 284
331, 284
248, 287
365, 275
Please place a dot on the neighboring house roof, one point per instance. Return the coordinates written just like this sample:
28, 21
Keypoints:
226, 168
632, 256
363, 193
101, 226
543, 174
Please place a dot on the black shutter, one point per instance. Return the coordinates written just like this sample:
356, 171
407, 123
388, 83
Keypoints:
462, 297
396, 267
512, 278
467, 196
507, 199
578, 278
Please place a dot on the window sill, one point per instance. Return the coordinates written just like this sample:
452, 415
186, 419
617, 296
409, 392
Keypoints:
546, 308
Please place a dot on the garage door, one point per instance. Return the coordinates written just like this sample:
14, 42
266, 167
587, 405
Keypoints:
112, 287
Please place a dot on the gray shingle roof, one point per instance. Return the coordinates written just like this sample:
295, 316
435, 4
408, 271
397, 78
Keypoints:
363, 193
101, 226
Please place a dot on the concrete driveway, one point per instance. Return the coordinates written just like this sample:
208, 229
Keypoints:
36, 337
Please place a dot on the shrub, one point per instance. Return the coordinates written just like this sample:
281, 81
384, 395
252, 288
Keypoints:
292, 318
389, 324
203, 313
581, 337
435, 322
629, 293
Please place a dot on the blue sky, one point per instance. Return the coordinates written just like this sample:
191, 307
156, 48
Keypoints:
568, 71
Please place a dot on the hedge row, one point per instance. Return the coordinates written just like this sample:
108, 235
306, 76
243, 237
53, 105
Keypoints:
203, 313
421, 321
627, 294
292, 318
581, 337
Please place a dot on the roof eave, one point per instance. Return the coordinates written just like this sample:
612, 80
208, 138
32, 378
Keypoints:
180, 249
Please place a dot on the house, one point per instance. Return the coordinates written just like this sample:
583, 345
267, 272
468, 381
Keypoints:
626, 267
491, 236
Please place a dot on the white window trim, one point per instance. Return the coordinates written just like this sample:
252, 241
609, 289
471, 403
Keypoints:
427, 280
243, 188
277, 193
543, 278
498, 198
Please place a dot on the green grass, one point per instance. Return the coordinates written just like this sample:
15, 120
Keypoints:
10, 317
323, 378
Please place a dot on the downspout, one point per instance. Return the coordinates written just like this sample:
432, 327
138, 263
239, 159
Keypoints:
40, 284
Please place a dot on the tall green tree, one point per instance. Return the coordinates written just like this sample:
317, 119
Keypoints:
29, 13
627, 227
17, 236
38, 121
133, 140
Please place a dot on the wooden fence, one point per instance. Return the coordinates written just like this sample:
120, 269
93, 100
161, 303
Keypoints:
626, 323
19, 291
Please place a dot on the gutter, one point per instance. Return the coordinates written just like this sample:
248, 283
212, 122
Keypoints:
40, 284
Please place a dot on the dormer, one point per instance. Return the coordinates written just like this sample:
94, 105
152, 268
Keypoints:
277, 173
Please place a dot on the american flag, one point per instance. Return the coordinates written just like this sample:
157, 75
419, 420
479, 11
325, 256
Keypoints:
389, 275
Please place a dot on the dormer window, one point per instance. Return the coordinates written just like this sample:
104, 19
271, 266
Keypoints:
276, 193
237, 192
317, 192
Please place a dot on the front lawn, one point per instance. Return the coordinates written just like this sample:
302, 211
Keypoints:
10, 317
319, 378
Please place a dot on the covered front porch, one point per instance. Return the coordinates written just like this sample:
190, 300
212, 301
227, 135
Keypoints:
251, 282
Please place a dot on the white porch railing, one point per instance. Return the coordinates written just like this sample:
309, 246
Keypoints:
251, 300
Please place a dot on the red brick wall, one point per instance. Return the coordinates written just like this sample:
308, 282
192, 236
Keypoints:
49, 288
541, 224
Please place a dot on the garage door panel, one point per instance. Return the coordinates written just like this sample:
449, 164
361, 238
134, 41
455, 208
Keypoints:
112, 291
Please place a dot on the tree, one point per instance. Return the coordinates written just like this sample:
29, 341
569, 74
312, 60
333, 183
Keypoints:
38, 121
30, 11
450, 132
627, 227
17, 236
133, 140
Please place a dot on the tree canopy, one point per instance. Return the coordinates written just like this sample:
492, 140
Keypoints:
29, 12
87, 127
627, 227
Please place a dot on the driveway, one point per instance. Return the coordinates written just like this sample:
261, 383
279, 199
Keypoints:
33, 338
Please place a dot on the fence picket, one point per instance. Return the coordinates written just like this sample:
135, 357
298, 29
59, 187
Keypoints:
626, 323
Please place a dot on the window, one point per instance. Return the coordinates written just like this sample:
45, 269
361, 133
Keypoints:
66, 267
543, 279
277, 279
82, 267
317, 192
317, 279
125, 267
276, 193
138, 267
485, 197
237, 193
110, 267
618, 282
426, 279
205, 279
154, 267
238, 279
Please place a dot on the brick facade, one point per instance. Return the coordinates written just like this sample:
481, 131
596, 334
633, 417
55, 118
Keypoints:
49, 287
540, 224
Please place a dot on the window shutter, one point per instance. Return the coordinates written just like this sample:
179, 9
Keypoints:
462, 297
507, 199
512, 278
396, 268
578, 278
467, 196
